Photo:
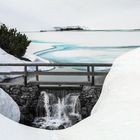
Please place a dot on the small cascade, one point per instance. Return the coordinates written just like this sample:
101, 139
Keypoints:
62, 110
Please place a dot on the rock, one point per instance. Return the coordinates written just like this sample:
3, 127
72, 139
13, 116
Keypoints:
88, 98
26, 98
61, 127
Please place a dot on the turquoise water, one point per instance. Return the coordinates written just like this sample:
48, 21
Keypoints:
71, 53
84, 47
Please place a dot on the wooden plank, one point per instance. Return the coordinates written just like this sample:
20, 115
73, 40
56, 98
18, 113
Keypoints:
100, 73
37, 76
25, 75
88, 71
60, 73
93, 79
60, 64
59, 83
67, 73
55, 73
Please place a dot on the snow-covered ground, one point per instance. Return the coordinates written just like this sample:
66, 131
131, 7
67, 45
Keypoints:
7, 58
8, 107
86, 38
116, 116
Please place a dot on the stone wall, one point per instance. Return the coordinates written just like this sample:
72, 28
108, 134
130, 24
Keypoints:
28, 99
88, 97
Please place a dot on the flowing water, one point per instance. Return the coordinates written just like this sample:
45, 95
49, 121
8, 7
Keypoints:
61, 111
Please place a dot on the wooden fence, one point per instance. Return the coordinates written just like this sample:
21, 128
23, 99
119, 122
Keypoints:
89, 71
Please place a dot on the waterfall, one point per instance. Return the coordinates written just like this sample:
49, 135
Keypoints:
62, 110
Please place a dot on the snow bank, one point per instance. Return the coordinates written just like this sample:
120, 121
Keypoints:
116, 115
7, 58
8, 107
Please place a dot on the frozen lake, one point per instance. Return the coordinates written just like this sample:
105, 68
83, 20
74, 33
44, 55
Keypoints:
82, 47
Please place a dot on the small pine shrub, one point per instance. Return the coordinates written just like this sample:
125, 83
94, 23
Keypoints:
13, 42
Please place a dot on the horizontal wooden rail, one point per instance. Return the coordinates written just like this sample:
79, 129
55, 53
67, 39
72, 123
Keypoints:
90, 72
58, 64
68, 73
55, 73
59, 83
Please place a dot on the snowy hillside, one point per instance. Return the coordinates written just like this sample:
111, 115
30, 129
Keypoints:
7, 58
8, 107
115, 116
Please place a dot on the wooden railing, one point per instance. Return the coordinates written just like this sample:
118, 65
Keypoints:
90, 72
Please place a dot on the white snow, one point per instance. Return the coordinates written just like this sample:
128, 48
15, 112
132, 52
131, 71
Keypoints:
8, 107
7, 58
116, 116
82, 39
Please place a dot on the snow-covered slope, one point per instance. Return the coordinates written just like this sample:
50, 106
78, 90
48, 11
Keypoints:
8, 107
7, 58
116, 115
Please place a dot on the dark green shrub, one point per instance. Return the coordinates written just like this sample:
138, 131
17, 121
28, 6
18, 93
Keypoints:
13, 42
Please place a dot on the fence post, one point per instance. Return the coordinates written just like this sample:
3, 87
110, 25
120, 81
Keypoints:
93, 79
25, 75
37, 77
88, 70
